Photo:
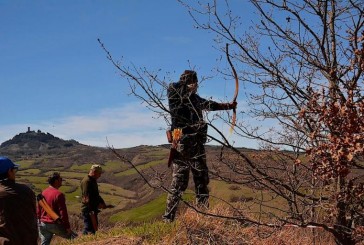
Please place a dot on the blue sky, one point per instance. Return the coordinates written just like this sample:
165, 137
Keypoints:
55, 77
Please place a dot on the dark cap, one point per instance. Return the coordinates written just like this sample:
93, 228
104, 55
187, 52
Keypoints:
6, 164
188, 76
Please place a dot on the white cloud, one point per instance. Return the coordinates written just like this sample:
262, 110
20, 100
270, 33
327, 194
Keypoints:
127, 126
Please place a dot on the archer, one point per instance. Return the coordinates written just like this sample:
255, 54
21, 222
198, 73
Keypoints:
186, 108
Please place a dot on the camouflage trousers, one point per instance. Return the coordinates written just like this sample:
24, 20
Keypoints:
192, 158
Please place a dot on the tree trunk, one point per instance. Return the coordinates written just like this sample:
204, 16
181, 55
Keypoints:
343, 232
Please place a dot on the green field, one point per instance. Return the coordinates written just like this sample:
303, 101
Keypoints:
120, 184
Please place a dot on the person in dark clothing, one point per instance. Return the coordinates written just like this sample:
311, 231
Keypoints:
18, 219
57, 202
91, 200
186, 108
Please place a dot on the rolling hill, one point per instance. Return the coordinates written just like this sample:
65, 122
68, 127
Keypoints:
40, 154
138, 206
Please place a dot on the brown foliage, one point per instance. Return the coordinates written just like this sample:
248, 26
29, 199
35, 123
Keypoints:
337, 136
198, 229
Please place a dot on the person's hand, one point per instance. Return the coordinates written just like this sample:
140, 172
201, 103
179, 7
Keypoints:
102, 206
233, 105
109, 206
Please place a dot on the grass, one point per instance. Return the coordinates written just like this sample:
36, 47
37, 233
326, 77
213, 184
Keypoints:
247, 197
116, 191
194, 228
35, 180
224, 191
69, 174
71, 188
144, 221
147, 212
153, 233
121, 197
109, 166
112, 166
140, 167
83, 168
24, 164
31, 171
118, 197
160, 153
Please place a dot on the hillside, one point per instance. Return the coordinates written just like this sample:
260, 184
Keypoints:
40, 154
136, 218
32, 142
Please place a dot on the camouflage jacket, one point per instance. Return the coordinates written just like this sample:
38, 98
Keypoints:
186, 109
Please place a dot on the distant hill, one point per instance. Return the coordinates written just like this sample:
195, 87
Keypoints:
32, 142
40, 154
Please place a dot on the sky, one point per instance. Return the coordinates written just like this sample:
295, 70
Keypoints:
55, 77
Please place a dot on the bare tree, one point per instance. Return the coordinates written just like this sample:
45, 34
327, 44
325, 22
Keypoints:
302, 61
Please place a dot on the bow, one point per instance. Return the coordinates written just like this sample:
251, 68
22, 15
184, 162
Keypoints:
233, 120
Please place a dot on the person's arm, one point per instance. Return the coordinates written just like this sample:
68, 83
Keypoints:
226, 106
85, 192
27, 210
34, 209
39, 212
63, 211
102, 203
211, 105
